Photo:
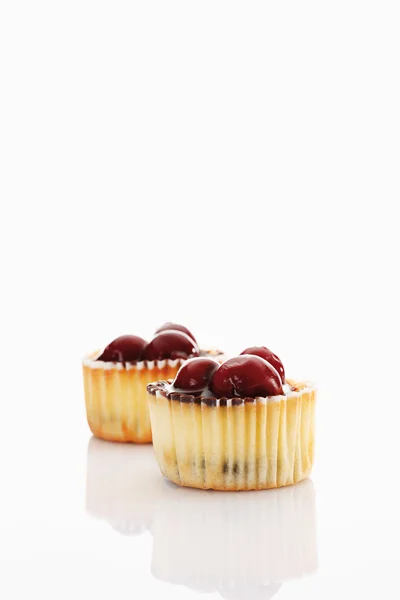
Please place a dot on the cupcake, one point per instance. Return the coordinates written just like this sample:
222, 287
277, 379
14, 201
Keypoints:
115, 380
243, 546
122, 485
239, 425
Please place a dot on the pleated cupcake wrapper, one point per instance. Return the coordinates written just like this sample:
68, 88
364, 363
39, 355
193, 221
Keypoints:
116, 397
234, 444
235, 540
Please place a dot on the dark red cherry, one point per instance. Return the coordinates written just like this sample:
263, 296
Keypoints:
194, 374
246, 376
175, 327
126, 348
268, 356
170, 344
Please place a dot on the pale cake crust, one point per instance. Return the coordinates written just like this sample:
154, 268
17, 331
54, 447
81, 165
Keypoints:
254, 444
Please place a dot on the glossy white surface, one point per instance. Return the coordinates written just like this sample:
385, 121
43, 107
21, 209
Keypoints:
233, 166
80, 513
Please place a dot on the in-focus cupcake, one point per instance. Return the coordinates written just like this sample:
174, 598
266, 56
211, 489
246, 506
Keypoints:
115, 380
243, 546
238, 425
123, 485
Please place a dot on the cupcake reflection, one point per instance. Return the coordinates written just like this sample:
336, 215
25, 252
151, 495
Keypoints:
122, 484
261, 592
243, 545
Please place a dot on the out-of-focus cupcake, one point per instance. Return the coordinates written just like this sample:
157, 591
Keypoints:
239, 425
244, 546
115, 380
122, 485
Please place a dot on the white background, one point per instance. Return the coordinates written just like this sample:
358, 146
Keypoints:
233, 166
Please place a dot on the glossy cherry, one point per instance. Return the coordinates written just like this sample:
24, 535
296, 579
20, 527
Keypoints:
170, 344
246, 376
269, 356
126, 348
194, 375
175, 327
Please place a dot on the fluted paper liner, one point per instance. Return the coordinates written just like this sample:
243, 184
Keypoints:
116, 397
235, 444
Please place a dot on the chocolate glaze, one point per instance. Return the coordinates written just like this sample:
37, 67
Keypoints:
203, 353
207, 398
